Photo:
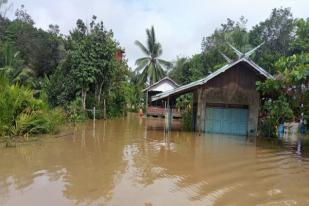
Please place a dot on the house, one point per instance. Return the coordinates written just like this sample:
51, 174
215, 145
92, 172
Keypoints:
225, 101
157, 108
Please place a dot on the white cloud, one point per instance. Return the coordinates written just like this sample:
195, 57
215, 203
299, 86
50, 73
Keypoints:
180, 25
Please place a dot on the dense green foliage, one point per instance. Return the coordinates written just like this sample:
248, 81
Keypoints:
37, 49
45, 69
91, 71
285, 95
184, 104
278, 33
187, 70
21, 114
75, 111
80, 65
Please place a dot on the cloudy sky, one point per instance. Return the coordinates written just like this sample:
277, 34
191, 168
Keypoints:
179, 24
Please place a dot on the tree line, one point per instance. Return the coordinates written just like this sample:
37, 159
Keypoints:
79, 66
285, 54
78, 71
43, 70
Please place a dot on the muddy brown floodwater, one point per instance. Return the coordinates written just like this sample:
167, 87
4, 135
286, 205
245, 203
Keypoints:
131, 161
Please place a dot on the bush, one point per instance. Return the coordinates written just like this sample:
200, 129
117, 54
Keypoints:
184, 103
21, 114
277, 112
75, 111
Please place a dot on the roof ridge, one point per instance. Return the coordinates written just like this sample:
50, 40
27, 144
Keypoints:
212, 75
156, 83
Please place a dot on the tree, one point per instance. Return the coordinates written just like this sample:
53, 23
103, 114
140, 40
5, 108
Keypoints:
22, 15
277, 32
40, 51
89, 71
215, 45
4, 9
13, 66
54, 29
287, 95
301, 42
152, 66
187, 70
103, 49
83, 70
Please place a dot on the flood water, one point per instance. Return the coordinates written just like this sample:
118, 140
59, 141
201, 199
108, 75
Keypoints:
131, 161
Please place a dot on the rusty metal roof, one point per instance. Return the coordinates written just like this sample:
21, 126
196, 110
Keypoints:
189, 87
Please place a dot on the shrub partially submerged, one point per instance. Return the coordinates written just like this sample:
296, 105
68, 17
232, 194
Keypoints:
22, 115
75, 111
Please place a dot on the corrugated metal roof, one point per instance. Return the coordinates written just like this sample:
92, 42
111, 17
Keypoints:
192, 85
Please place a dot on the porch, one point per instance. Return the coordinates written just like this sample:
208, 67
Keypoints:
161, 112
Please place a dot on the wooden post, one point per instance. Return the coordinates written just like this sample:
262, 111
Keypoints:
146, 106
168, 116
93, 113
104, 108
93, 125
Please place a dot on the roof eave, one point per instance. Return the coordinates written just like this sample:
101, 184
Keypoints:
209, 77
158, 82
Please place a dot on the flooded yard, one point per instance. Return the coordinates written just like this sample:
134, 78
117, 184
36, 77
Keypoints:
131, 161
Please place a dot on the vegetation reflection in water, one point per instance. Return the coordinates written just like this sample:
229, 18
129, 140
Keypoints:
131, 161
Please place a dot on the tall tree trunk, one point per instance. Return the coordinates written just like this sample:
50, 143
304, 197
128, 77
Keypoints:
99, 93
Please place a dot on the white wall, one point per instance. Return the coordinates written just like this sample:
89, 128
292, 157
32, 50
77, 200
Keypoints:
163, 87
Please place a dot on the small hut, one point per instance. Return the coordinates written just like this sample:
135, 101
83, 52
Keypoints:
225, 101
157, 108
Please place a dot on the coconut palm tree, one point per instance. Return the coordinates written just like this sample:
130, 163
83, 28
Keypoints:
13, 66
152, 67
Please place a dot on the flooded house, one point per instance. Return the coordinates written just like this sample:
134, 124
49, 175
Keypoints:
157, 108
226, 101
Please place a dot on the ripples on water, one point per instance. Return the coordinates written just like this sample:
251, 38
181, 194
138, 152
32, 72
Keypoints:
132, 161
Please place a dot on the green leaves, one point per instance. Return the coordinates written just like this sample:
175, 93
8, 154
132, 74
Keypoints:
151, 66
288, 91
187, 70
277, 32
21, 114
142, 47
301, 43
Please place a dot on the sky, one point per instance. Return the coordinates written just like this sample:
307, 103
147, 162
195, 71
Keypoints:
180, 25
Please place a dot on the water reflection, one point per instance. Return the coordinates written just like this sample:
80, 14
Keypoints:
132, 161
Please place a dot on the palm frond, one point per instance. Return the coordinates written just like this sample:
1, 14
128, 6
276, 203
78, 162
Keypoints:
160, 71
150, 42
153, 34
160, 51
157, 49
141, 60
142, 47
144, 75
165, 63
141, 64
153, 73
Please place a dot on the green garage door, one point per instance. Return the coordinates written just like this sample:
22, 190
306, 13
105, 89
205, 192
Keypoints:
232, 121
